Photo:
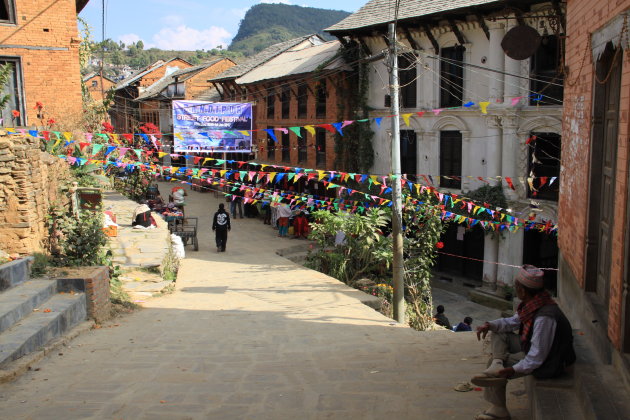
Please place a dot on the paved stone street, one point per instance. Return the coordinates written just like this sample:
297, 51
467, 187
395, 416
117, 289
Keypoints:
250, 335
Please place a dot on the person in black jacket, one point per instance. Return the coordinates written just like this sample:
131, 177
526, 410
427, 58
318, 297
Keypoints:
221, 226
543, 346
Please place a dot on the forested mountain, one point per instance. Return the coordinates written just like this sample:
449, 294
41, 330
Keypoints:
267, 24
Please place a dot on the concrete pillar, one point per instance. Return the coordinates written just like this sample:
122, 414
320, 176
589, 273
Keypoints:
493, 157
510, 252
512, 84
509, 155
167, 158
496, 61
491, 254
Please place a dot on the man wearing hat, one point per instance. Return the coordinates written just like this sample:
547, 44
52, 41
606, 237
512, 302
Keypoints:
543, 346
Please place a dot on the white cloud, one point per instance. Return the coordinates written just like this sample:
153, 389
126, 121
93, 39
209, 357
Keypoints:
275, 1
183, 37
129, 39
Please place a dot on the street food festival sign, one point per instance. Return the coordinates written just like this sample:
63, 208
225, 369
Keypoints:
212, 126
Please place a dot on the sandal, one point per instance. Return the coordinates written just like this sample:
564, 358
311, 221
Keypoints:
463, 387
487, 416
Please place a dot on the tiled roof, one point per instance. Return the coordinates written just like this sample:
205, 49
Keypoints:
379, 12
296, 61
148, 69
90, 75
263, 56
156, 88
210, 95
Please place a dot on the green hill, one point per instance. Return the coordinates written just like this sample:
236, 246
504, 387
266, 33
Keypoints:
267, 24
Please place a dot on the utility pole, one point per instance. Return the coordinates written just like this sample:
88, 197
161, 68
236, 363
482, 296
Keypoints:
397, 239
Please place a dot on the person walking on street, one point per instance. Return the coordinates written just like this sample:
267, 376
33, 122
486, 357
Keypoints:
237, 202
221, 226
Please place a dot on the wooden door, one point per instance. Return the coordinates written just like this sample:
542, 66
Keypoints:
603, 167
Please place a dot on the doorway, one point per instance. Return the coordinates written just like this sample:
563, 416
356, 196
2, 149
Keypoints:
602, 175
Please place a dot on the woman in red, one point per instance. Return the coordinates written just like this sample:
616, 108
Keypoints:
300, 226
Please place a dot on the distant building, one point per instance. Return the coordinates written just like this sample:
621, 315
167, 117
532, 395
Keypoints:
126, 113
40, 40
291, 84
447, 49
594, 237
188, 83
98, 85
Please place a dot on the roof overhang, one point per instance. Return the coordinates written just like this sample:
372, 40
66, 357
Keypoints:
81, 4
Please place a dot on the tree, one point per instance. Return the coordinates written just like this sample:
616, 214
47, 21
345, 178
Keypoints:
140, 45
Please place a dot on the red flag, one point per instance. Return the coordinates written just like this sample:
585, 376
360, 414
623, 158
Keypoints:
509, 182
128, 137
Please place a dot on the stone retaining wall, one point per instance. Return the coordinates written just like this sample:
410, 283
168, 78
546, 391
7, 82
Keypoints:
29, 184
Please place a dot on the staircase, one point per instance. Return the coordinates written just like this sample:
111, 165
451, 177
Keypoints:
34, 311
591, 391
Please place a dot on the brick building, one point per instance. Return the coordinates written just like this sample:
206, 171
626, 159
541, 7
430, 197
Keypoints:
594, 238
291, 84
188, 83
40, 39
290, 93
98, 85
126, 113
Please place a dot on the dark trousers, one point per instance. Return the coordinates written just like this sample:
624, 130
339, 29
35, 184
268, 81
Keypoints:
221, 238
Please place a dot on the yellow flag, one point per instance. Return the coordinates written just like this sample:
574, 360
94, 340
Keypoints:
10, 130
162, 154
67, 136
322, 174
406, 118
272, 175
245, 133
179, 136
484, 107
115, 137
206, 160
310, 129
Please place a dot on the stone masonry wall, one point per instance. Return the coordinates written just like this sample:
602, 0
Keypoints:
29, 184
584, 17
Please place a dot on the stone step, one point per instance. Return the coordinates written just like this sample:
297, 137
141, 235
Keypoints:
138, 286
19, 301
601, 393
54, 317
14, 273
556, 403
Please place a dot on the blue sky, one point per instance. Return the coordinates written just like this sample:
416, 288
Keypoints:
182, 24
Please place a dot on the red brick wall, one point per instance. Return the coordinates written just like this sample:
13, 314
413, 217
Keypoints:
51, 77
97, 293
96, 91
583, 18
334, 86
155, 75
199, 82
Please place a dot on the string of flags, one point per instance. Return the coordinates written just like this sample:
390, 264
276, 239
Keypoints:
503, 220
332, 127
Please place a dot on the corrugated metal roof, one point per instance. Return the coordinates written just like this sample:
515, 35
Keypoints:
90, 75
379, 12
183, 74
264, 56
296, 61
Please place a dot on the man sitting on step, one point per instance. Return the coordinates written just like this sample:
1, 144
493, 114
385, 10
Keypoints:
543, 346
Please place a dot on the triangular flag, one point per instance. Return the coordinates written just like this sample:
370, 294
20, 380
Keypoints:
271, 134
339, 127
378, 121
515, 101
484, 107
437, 111
405, 118
179, 136
297, 131
96, 148
310, 129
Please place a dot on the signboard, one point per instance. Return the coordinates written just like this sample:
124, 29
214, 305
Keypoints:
212, 126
